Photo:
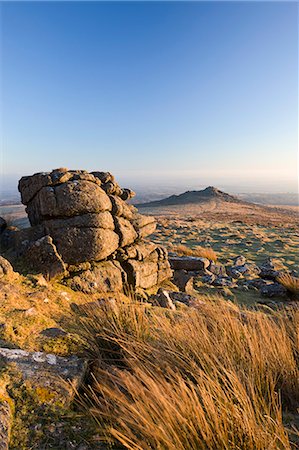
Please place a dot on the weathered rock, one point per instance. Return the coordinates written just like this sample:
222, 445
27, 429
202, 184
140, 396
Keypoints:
120, 208
5, 423
30, 186
88, 220
127, 194
223, 281
273, 290
104, 177
163, 299
164, 271
217, 269
234, 272
50, 375
270, 269
67, 200
5, 267
209, 278
53, 332
125, 230
189, 263
100, 220
239, 260
139, 250
185, 298
42, 256
142, 274
107, 276
77, 245
144, 225
183, 280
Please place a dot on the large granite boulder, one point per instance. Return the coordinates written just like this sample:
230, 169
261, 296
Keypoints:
79, 218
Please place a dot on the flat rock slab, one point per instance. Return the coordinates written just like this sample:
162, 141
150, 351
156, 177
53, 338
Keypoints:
53, 377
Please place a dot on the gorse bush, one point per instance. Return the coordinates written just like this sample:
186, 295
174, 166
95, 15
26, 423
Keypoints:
212, 377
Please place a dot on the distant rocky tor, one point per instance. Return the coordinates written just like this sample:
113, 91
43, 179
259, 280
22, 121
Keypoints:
84, 233
189, 197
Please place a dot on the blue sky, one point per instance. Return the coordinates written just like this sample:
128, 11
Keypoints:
153, 91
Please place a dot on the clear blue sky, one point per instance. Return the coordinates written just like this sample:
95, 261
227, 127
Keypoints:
152, 91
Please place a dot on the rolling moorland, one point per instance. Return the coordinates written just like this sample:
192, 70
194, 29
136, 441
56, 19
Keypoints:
203, 357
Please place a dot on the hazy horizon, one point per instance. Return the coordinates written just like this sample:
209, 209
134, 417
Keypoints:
167, 93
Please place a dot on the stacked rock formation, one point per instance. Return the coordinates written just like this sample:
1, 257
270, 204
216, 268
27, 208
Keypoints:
83, 230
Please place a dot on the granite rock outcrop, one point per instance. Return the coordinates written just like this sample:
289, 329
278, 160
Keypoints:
84, 232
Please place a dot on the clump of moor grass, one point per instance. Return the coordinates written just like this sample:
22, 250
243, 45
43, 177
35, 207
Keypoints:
212, 377
290, 282
203, 252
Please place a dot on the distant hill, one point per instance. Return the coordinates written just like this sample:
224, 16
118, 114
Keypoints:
193, 197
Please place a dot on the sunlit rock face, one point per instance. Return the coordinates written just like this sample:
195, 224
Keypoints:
87, 220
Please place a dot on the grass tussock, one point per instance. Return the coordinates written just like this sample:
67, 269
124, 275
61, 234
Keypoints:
290, 283
202, 252
216, 377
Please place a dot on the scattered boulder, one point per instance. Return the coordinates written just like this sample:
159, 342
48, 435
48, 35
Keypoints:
183, 280
270, 269
184, 298
217, 269
162, 298
223, 281
273, 290
189, 263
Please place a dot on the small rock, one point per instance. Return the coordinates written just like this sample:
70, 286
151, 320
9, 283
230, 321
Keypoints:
217, 269
273, 290
189, 263
223, 281
163, 299
209, 278
53, 332
270, 269
239, 260
182, 297
42, 256
183, 280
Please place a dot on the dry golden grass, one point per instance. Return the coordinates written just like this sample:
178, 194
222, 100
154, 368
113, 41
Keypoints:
215, 377
289, 282
202, 252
